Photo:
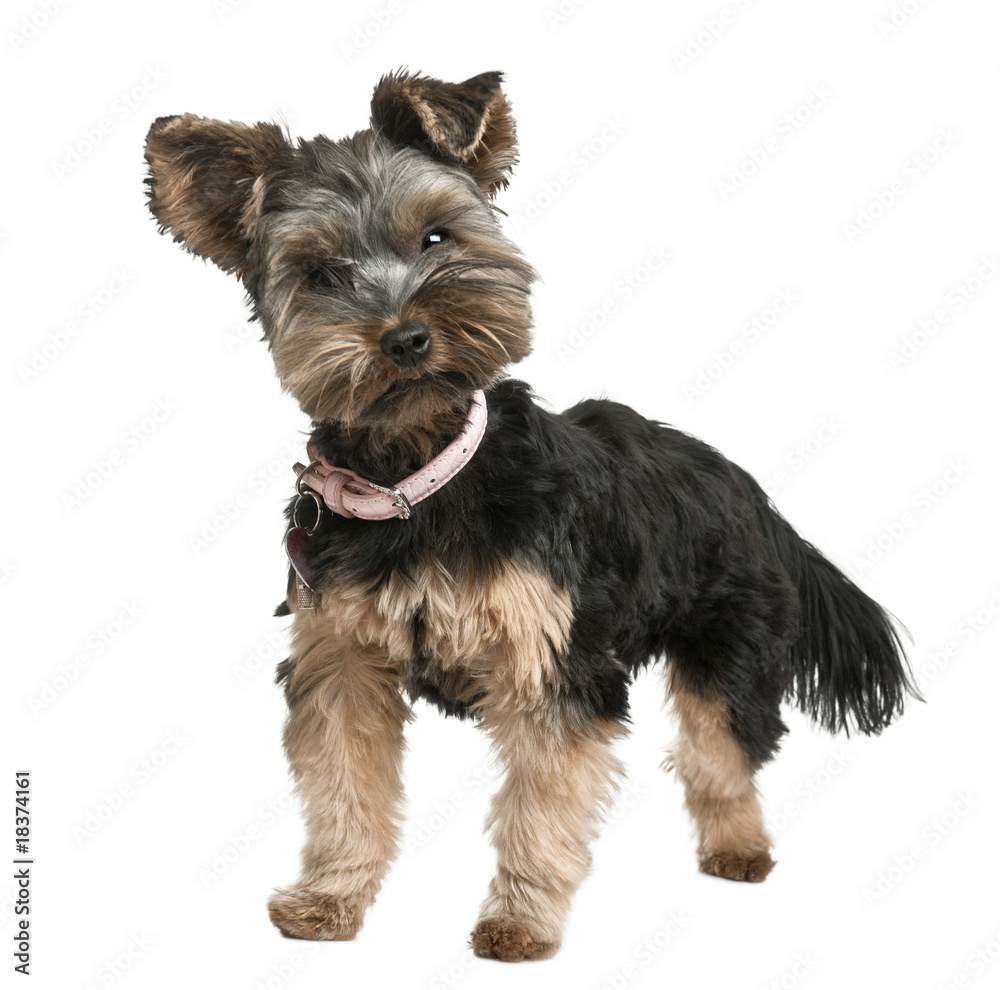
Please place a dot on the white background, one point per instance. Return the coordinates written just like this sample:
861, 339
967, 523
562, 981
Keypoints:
160, 798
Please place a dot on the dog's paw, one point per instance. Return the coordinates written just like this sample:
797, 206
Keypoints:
751, 867
509, 940
303, 913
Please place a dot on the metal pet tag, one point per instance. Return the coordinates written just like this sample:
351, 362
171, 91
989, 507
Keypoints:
296, 541
295, 548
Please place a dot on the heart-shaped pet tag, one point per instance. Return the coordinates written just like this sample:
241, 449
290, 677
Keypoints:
295, 547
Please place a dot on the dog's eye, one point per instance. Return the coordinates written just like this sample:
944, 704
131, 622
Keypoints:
433, 238
323, 276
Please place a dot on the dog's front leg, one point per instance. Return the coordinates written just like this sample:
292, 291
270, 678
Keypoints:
559, 778
344, 741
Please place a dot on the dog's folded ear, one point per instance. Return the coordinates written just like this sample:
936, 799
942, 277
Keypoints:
203, 182
468, 122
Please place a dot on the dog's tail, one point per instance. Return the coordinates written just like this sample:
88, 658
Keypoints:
848, 665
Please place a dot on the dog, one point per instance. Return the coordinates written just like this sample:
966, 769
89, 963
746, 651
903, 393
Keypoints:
452, 540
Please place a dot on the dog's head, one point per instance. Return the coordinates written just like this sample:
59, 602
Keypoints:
385, 287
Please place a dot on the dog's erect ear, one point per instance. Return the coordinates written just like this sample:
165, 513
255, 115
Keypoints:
468, 122
202, 176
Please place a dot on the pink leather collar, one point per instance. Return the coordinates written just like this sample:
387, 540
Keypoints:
348, 494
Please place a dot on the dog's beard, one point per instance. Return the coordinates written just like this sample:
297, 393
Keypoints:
338, 373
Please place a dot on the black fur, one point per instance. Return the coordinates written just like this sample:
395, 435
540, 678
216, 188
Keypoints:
848, 663
630, 540
666, 548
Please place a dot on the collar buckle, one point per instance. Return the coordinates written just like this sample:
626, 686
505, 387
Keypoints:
401, 500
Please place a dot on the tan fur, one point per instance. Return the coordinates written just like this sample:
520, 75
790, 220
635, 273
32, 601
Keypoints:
719, 789
314, 359
344, 742
559, 780
204, 204
497, 639
337, 371
502, 632
469, 121
491, 161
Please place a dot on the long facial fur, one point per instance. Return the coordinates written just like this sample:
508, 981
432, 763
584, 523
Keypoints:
572, 551
337, 261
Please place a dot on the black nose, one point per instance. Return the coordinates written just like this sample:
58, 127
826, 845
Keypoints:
407, 345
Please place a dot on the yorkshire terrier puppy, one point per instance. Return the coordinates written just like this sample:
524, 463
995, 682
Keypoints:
451, 540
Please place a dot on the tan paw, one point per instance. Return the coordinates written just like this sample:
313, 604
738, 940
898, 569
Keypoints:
301, 913
509, 940
751, 867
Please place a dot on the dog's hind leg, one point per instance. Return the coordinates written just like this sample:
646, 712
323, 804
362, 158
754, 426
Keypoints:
718, 777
